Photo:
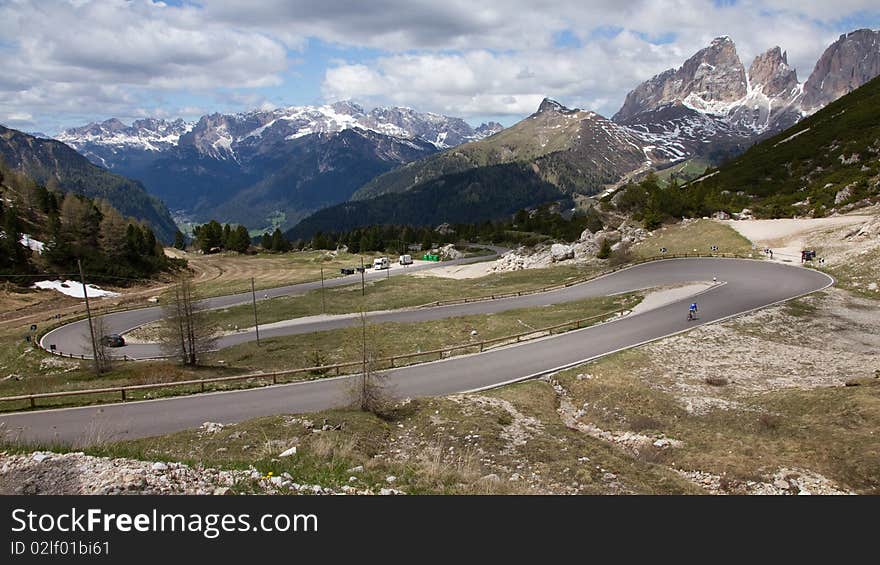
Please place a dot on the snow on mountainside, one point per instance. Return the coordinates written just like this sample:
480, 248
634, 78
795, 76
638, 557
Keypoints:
220, 135
262, 167
149, 134
712, 107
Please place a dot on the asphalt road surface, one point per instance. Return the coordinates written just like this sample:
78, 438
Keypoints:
744, 285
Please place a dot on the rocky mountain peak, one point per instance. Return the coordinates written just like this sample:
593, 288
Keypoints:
847, 64
112, 124
347, 107
771, 75
487, 129
713, 75
550, 105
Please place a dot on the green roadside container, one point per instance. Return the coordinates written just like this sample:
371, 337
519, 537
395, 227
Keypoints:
427, 257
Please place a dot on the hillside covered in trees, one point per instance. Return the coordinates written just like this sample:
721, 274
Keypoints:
61, 169
525, 227
45, 231
486, 193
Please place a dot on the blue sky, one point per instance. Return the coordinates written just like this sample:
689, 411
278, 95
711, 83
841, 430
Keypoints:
70, 62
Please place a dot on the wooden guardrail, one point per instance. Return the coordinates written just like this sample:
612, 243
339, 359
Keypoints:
336, 369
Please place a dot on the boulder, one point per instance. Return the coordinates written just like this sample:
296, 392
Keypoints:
561, 252
449, 252
843, 195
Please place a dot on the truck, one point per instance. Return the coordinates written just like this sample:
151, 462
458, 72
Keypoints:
380, 263
406, 260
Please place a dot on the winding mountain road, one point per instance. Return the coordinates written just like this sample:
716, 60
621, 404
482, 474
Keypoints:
73, 339
744, 285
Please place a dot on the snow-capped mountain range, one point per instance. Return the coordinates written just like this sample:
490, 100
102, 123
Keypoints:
267, 167
222, 135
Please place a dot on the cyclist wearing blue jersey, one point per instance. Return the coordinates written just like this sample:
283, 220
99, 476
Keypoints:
692, 312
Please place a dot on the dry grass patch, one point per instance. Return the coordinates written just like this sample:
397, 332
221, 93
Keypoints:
697, 235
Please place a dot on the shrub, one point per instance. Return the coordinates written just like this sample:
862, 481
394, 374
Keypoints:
716, 381
605, 250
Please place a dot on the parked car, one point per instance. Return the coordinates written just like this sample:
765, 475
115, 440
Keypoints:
113, 340
380, 263
406, 260
346, 271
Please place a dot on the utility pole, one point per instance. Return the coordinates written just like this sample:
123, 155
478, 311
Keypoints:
82, 279
254, 300
363, 286
323, 304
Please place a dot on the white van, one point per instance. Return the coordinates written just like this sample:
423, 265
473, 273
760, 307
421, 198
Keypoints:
380, 263
406, 260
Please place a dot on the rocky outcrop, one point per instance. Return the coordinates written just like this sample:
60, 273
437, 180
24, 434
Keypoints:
847, 64
448, 252
45, 472
713, 75
550, 105
708, 108
584, 250
771, 75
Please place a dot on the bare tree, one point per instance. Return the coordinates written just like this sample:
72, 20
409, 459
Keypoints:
186, 333
104, 359
370, 389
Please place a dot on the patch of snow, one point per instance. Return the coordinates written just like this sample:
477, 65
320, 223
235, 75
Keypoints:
789, 138
33, 244
74, 289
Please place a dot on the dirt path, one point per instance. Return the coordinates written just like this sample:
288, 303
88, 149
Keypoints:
787, 237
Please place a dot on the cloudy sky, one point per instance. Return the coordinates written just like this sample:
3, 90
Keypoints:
70, 62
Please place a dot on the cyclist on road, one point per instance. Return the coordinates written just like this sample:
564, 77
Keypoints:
692, 311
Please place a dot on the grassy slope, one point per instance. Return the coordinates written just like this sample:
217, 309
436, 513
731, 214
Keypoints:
806, 162
576, 151
694, 237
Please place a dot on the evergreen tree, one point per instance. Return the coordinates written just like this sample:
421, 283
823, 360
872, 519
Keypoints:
605, 249
239, 240
179, 242
209, 236
13, 255
279, 242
